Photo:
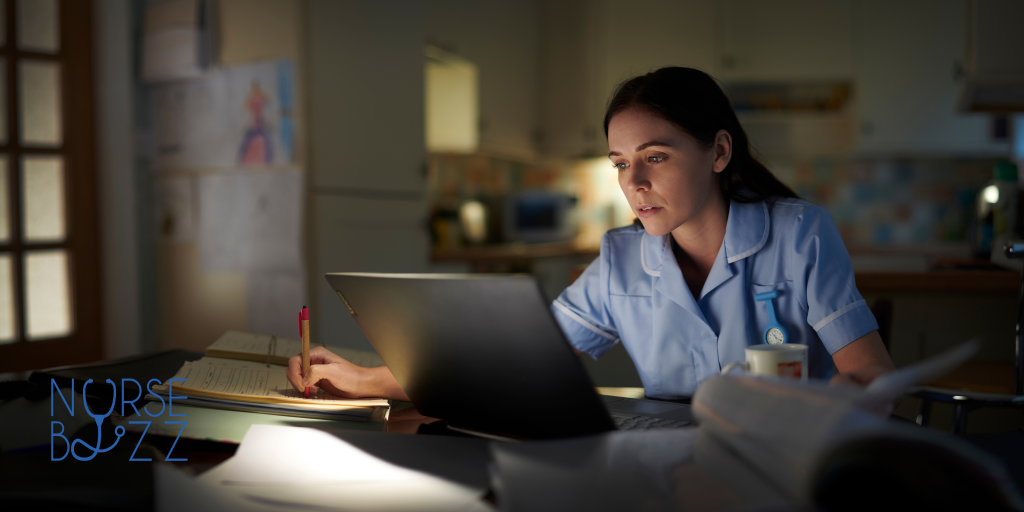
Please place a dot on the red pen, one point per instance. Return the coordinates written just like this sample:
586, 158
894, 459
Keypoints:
304, 334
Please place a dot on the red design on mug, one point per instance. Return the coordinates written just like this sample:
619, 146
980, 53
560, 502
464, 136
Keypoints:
791, 369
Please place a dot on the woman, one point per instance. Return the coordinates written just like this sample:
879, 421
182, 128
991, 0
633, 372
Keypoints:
715, 229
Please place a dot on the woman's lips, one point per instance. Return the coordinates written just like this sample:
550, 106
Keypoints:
645, 211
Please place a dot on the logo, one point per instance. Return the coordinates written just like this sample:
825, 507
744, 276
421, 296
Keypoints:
119, 431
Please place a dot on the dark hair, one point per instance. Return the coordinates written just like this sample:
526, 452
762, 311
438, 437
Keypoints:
692, 100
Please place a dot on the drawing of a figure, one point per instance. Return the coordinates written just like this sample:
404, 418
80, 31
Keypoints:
256, 148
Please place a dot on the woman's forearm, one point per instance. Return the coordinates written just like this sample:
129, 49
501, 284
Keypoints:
380, 383
868, 350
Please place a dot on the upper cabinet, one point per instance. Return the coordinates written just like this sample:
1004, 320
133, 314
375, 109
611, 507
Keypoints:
501, 38
910, 56
783, 40
590, 46
900, 62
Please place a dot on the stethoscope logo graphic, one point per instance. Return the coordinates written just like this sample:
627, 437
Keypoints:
775, 333
119, 431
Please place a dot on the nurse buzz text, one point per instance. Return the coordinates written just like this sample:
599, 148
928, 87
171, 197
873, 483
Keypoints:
89, 452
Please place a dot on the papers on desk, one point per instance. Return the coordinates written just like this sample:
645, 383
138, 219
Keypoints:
776, 444
289, 468
251, 386
255, 347
805, 438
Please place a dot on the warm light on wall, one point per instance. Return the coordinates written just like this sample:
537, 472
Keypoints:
602, 205
452, 103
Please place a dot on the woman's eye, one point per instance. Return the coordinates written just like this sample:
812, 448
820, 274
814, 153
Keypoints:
620, 166
655, 159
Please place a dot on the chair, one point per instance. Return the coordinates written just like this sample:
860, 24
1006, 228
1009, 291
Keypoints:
987, 390
882, 309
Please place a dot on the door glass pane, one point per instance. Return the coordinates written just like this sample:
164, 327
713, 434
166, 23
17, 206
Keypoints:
38, 26
42, 195
47, 294
3, 94
5, 223
7, 327
39, 97
3, 23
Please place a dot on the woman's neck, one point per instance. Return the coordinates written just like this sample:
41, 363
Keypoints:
698, 240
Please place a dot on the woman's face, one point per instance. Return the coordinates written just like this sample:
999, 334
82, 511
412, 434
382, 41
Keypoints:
666, 175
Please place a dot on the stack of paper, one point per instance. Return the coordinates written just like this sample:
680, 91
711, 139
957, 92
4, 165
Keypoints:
247, 372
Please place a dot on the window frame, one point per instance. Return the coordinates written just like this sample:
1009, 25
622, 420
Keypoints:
84, 344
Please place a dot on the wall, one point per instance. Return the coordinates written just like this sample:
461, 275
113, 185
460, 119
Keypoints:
195, 308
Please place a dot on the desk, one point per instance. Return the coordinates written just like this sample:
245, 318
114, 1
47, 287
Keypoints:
715, 478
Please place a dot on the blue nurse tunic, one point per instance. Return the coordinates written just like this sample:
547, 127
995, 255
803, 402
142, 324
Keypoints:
635, 293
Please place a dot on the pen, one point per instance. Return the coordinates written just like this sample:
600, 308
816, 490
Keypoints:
304, 333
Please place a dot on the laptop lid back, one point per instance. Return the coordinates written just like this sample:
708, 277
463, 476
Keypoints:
481, 351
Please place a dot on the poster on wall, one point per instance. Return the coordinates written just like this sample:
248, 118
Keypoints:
237, 116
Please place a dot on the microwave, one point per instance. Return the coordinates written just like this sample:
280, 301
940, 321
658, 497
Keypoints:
538, 216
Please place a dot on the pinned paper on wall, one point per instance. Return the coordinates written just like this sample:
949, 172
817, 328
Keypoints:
272, 299
250, 221
175, 219
239, 116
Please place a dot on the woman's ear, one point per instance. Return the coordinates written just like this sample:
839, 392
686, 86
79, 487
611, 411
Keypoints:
722, 150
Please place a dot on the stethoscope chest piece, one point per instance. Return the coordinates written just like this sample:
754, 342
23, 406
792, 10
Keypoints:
775, 333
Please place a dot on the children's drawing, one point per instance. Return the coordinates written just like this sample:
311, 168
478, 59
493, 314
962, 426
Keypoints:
256, 148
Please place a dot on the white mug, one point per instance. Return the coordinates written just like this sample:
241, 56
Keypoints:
785, 360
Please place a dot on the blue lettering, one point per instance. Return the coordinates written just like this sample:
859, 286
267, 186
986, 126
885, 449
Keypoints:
170, 401
60, 435
71, 408
149, 388
132, 458
137, 397
183, 423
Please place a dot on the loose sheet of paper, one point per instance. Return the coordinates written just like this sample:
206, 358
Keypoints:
175, 220
303, 468
250, 222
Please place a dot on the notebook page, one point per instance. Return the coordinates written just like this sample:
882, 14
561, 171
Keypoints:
258, 344
249, 381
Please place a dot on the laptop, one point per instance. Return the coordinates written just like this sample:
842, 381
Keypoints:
483, 353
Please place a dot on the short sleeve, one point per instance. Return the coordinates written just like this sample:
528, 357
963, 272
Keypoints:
835, 309
582, 309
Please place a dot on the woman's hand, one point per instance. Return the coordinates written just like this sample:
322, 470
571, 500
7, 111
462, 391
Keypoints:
337, 376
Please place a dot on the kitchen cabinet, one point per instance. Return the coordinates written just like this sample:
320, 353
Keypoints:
592, 46
367, 234
909, 54
365, 62
502, 38
783, 40
368, 208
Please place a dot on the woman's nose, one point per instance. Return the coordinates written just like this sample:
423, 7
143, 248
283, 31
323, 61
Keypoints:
638, 178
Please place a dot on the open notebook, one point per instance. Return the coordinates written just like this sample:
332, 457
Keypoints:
247, 385
256, 347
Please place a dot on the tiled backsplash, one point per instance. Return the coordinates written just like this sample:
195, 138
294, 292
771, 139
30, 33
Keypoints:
875, 202
891, 202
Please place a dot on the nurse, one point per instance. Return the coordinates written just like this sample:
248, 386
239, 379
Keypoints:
680, 288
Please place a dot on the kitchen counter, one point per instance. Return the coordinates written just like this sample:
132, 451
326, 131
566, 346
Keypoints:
511, 253
938, 281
